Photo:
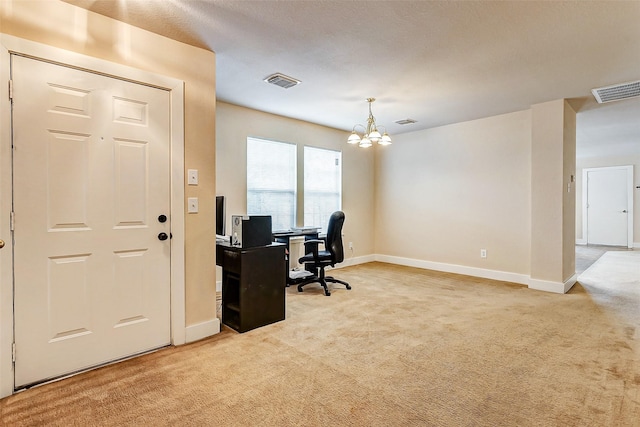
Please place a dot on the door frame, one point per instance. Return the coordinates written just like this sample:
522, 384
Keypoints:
585, 192
14, 45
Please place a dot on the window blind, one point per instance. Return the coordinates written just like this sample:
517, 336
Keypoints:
271, 181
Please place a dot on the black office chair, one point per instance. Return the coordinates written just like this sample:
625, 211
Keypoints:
331, 255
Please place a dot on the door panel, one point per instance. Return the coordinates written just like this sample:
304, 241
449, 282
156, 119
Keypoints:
607, 207
91, 175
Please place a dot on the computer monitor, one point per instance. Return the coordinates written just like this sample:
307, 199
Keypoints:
220, 216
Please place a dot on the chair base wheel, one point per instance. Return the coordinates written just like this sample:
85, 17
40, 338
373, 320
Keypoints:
322, 280
334, 280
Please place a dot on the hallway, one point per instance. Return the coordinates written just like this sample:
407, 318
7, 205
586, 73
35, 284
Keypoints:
586, 255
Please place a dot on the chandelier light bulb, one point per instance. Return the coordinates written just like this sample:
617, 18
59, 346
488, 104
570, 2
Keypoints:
385, 140
371, 134
375, 136
354, 138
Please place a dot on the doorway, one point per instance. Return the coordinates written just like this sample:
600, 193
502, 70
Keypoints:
607, 206
128, 150
90, 178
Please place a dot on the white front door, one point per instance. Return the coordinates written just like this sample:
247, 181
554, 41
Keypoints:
607, 206
90, 183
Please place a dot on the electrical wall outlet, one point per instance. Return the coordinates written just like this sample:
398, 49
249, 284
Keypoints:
351, 245
483, 253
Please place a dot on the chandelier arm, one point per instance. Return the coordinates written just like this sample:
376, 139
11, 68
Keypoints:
371, 134
364, 129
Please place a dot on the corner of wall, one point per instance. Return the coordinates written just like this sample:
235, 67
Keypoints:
554, 287
202, 330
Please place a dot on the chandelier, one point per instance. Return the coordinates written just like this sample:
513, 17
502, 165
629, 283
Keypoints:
370, 133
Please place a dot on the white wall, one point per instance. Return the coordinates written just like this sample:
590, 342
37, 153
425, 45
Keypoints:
443, 194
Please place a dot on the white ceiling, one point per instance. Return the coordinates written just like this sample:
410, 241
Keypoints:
437, 62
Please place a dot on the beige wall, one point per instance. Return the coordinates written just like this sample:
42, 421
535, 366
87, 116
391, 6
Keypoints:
445, 193
569, 193
65, 26
604, 160
441, 195
497, 183
552, 214
235, 124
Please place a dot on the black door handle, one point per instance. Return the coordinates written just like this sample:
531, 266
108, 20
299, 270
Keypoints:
163, 236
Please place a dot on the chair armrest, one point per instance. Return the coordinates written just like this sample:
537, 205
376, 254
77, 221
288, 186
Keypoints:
314, 241
314, 246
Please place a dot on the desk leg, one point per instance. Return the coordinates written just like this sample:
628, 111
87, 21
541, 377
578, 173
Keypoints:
287, 254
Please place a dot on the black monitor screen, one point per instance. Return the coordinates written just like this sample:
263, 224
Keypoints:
220, 215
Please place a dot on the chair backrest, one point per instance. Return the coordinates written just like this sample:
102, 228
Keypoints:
334, 236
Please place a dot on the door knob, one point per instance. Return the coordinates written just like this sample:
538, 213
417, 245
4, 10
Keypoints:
624, 211
163, 236
1, 243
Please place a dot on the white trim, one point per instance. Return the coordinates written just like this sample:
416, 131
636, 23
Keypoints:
555, 287
11, 44
355, 261
178, 299
6, 254
202, 330
458, 269
568, 284
504, 276
581, 242
585, 187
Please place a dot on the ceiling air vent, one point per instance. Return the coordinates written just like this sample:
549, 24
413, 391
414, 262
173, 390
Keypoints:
617, 92
282, 80
405, 121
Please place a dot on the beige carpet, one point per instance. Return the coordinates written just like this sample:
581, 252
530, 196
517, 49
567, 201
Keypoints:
404, 347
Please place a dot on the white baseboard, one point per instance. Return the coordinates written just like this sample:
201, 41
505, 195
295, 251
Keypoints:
458, 269
555, 287
202, 330
568, 284
523, 279
356, 260
634, 245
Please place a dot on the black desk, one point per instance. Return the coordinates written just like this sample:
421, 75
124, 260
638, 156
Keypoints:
285, 236
253, 285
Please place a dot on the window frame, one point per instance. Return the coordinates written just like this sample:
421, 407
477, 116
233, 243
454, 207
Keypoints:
320, 219
258, 191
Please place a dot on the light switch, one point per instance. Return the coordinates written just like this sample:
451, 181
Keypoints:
192, 205
192, 176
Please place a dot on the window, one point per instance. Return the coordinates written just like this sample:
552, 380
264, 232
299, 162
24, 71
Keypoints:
322, 185
271, 181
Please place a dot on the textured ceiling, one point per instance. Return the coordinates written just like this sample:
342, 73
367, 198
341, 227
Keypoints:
434, 62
